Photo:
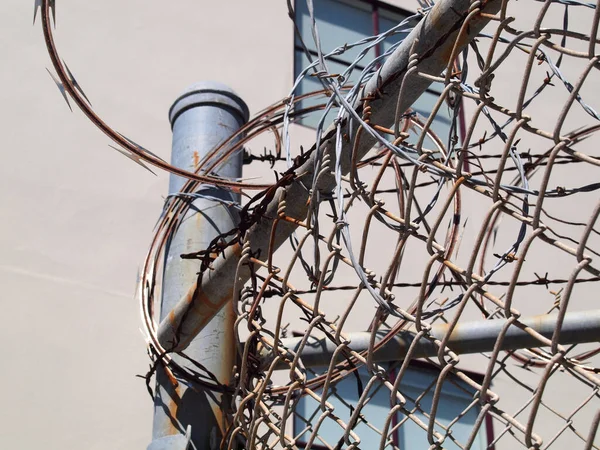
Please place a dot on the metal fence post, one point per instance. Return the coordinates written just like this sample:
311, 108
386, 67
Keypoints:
202, 117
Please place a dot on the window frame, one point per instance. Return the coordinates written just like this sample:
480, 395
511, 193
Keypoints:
375, 6
418, 365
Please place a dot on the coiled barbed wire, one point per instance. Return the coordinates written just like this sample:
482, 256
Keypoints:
385, 190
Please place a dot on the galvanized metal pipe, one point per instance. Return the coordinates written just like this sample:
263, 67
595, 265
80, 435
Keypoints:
202, 117
433, 40
470, 337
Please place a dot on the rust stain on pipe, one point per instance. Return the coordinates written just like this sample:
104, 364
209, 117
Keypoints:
196, 158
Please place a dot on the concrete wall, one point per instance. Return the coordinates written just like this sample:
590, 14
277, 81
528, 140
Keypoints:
77, 216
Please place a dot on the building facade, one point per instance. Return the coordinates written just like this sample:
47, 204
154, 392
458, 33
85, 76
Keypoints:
78, 216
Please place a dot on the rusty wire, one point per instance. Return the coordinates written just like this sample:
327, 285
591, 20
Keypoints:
266, 408
421, 230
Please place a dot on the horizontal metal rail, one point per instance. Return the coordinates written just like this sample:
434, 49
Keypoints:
470, 337
433, 41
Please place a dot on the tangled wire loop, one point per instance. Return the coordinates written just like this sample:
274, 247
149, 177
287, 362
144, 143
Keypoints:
394, 222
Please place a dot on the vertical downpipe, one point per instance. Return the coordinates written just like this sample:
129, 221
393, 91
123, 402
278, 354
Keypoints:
202, 117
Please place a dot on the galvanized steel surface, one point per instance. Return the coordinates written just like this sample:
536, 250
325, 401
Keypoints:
204, 116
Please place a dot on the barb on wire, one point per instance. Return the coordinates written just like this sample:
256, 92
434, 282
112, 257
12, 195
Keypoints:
61, 88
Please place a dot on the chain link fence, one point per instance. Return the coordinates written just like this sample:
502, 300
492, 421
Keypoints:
395, 222
392, 231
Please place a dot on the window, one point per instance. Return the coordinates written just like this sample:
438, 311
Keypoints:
349, 21
417, 387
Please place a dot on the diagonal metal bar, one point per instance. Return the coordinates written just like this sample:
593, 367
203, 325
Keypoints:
433, 40
470, 337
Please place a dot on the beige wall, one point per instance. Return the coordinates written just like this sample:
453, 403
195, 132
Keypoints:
77, 216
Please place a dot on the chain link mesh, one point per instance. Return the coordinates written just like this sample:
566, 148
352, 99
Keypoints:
397, 226
493, 220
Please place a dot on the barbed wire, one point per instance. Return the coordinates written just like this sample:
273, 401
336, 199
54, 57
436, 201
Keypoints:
387, 224
272, 286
